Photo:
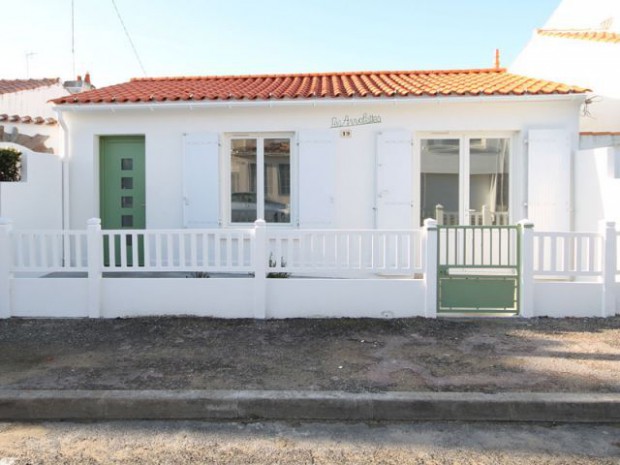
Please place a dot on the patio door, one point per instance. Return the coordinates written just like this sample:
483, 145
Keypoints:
464, 180
122, 187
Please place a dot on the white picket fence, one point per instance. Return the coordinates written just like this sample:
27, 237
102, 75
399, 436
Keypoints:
391, 273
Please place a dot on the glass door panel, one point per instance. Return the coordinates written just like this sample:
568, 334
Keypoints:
439, 168
488, 181
277, 180
243, 182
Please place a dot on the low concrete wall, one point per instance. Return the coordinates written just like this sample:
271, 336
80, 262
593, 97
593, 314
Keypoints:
328, 298
567, 299
212, 297
37, 297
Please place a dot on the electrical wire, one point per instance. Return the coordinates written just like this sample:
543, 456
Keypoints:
129, 38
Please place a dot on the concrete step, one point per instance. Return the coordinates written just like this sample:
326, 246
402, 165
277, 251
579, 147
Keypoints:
19, 405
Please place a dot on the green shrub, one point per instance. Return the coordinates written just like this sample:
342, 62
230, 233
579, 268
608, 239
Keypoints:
10, 164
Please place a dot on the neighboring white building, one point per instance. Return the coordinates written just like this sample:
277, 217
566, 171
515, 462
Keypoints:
26, 116
28, 124
580, 45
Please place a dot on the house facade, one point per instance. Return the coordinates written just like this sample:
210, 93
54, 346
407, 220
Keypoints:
345, 150
409, 184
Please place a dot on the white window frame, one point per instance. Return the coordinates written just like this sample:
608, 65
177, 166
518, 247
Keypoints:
260, 176
464, 166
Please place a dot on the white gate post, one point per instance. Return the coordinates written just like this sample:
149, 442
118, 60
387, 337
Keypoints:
526, 274
608, 231
260, 269
6, 255
430, 268
95, 264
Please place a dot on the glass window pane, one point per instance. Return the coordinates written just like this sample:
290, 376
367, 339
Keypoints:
439, 197
277, 180
127, 221
488, 181
126, 164
243, 180
126, 202
126, 183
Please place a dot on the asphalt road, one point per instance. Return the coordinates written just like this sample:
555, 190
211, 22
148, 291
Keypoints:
313, 443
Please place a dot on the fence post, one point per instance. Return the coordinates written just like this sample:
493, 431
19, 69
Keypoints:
526, 273
487, 217
608, 231
95, 251
439, 214
6, 255
260, 269
430, 268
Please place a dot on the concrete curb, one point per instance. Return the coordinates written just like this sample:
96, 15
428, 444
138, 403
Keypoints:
20, 405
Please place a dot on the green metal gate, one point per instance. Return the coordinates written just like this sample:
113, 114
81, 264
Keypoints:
478, 269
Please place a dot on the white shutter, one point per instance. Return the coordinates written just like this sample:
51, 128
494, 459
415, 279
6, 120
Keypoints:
317, 175
201, 180
394, 180
549, 179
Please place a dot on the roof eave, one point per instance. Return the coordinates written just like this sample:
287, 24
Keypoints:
190, 104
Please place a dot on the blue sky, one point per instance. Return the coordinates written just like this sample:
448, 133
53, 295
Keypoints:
206, 37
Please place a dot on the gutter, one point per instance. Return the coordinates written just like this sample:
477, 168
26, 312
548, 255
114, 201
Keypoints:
191, 104
65, 171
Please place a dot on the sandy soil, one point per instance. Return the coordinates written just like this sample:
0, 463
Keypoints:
308, 443
356, 355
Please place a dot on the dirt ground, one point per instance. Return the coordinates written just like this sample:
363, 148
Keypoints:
232, 443
356, 355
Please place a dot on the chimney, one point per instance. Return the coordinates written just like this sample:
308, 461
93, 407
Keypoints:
497, 65
87, 78
79, 78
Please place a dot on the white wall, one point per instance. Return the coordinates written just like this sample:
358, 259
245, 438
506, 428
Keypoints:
597, 187
35, 202
587, 63
354, 198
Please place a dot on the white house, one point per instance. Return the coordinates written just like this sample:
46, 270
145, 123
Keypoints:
339, 150
331, 175
580, 44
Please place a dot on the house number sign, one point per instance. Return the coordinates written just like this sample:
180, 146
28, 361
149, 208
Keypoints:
347, 120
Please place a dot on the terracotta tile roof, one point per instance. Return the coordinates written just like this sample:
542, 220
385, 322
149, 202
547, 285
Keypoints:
365, 84
26, 119
600, 133
8, 86
597, 36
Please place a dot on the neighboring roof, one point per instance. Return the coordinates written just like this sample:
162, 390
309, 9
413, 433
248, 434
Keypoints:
600, 133
365, 84
26, 119
8, 86
597, 36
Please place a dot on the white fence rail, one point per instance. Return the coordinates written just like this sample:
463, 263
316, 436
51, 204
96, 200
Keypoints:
219, 250
568, 254
586, 266
178, 250
390, 252
49, 251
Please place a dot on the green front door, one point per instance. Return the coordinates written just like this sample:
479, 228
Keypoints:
122, 186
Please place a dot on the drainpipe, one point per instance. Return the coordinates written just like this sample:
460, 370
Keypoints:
65, 171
